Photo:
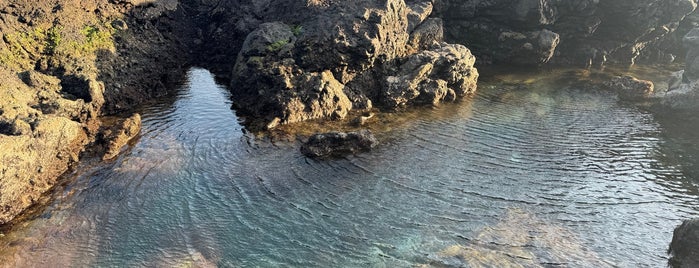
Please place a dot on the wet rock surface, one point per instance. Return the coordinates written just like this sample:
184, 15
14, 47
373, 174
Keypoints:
685, 245
631, 87
120, 134
338, 144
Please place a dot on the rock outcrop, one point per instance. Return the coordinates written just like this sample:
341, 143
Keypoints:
338, 144
683, 86
443, 73
348, 55
685, 245
591, 32
691, 42
63, 64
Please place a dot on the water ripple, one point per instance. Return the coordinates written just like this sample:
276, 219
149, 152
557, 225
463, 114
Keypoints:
554, 175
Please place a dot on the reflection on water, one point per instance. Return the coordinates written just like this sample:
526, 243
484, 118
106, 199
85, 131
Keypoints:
543, 174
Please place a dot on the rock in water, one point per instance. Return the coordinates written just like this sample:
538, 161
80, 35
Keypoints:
685, 245
683, 86
337, 144
691, 42
630, 87
119, 137
443, 73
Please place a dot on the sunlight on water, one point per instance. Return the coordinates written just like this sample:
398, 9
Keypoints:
534, 176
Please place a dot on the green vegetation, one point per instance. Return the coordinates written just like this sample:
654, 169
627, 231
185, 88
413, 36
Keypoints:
53, 40
297, 30
20, 47
276, 46
92, 39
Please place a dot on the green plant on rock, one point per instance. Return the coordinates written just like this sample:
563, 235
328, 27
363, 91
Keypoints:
296, 30
20, 48
53, 40
92, 38
276, 46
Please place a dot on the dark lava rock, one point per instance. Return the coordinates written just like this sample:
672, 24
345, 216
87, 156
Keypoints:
590, 31
685, 245
683, 86
338, 144
344, 56
691, 42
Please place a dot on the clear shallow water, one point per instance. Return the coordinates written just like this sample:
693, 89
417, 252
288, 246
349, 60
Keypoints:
545, 176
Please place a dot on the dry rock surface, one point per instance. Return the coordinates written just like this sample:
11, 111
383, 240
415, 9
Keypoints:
683, 86
64, 64
348, 56
580, 32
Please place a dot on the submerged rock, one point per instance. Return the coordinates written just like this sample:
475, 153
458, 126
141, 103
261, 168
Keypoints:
338, 144
685, 245
631, 87
520, 239
117, 137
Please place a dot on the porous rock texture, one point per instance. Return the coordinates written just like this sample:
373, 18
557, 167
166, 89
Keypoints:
338, 144
325, 58
118, 136
580, 32
63, 64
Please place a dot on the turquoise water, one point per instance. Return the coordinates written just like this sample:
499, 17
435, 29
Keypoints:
547, 175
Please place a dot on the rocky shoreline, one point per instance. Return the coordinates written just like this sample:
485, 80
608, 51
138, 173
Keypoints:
66, 65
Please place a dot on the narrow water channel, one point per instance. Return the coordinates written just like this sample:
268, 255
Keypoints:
550, 175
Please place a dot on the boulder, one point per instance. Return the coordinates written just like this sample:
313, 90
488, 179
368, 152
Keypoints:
442, 73
428, 34
681, 96
683, 86
684, 247
631, 87
120, 135
338, 144
691, 42
347, 55
32, 162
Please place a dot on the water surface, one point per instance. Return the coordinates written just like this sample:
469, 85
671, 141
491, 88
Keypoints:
547, 174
